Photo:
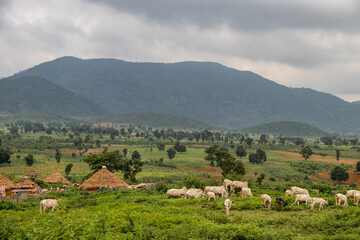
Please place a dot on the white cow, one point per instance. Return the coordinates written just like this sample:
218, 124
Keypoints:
48, 203
356, 199
302, 198
288, 193
218, 190
297, 190
351, 193
238, 185
193, 193
210, 195
226, 184
176, 193
320, 201
266, 199
228, 203
341, 198
246, 192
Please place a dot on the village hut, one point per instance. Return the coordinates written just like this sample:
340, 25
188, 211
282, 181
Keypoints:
4, 181
26, 183
34, 174
103, 179
55, 178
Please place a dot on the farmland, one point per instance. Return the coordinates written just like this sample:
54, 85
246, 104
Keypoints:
146, 214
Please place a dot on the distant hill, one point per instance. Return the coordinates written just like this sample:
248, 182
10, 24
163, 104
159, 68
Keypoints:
32, 96
157, 120
205, 91
286, 128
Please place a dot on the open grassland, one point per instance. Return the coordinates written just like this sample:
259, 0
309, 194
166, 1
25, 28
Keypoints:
143, 214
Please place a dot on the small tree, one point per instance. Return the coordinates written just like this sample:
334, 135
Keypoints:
130, 167
181, 148
358, 166
339, 174
306, 152
240, 151
259, 157
249, 141
5, 156
337, 154
160, 146
259, 179
171, 153
68, 169
125, 151
111, 160
57, 155
29, 159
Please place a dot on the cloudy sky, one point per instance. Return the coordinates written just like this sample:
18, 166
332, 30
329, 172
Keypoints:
297, 43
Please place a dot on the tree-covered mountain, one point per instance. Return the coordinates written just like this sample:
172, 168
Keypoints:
30, 95
204, 91
286, 128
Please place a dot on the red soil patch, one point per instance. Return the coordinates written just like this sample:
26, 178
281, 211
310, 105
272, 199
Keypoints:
354, 177
330, 159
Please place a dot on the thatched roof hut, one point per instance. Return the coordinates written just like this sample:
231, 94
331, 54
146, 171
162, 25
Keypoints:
4, 181
26, 183
105, 179
55, 178
34, 174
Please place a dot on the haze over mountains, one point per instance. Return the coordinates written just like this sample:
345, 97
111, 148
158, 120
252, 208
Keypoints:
204, 91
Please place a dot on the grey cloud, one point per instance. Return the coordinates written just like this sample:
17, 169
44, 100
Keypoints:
245, 15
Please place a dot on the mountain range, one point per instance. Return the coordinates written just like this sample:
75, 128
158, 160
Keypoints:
204, 91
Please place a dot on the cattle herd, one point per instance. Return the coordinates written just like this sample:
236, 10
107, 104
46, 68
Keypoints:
210, 192
301, 195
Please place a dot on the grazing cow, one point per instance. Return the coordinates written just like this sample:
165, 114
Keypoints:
280, 203
302, 198
246, 192
48, 203
227, 184
193, 193
210, 195
320, 201
356, 199
288, 193
228, 203
238, 185
297, 190
150, 186
218, 190
266, 199
351, 193
341, 198
176, 193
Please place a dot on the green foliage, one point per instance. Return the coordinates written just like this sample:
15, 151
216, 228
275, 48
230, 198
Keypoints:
225, 161
160, 146
358, 166
29, 159
240, 151
259, 179
259, 157
111, 160
57, 155
68, 168
306, 152
171, 153
310, 168
339, 174
5, 156
40, 182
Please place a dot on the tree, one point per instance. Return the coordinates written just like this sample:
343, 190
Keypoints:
249, 141
57, 155
135, 155
354, 141
181, 148
160, 146
5, 156
125, 150
68, 168
240, 151
225, 161
306, 152
358, 166
263, 138
326, 140
29, 159
111, 160
337, 154
171, 153
14, 130
339, 174
259, 157
130, 167
259, 179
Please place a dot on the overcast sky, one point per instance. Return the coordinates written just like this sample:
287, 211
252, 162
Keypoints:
297, 43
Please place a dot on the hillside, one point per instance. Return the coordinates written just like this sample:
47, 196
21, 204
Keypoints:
37, 96
157, 120
208, 92
286, 128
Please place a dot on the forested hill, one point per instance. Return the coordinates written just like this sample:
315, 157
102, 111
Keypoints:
204, 91
286, 128
35, 95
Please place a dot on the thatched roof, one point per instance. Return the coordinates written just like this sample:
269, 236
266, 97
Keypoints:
4, 181
103, 178
26, 183
34, 174
55, 178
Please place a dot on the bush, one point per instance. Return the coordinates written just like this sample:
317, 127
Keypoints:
7, 205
